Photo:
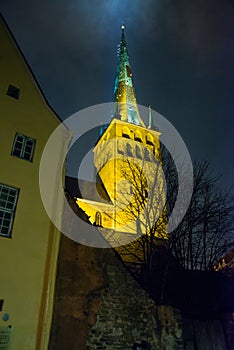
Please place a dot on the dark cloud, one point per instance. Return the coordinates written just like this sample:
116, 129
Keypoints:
180, 50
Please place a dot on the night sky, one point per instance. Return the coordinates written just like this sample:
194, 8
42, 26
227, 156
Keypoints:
181, 54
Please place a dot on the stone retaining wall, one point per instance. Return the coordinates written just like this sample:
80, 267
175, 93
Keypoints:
128, 315
99, 305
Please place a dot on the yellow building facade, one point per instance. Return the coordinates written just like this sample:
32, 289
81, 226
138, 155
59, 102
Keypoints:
28, 240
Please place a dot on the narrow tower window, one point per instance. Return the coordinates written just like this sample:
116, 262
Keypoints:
98, 219
120, 148
149, 140
138, 152
129, 150
138, 136
147, 155
23, 147
126, 132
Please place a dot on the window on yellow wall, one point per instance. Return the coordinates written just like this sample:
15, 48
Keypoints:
13, 91
8, 201
23, 147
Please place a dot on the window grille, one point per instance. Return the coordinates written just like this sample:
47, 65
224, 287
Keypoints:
8, 200
23, 147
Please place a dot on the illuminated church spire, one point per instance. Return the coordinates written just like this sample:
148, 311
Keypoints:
126, 157
124, 92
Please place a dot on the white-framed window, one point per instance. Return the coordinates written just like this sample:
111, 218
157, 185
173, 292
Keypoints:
8, 200
23, 147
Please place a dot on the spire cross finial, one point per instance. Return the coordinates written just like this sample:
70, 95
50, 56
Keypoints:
123, 34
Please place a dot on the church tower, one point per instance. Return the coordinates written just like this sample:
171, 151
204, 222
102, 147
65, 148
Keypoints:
128, 162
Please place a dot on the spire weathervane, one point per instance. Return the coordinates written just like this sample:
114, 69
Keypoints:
124, 92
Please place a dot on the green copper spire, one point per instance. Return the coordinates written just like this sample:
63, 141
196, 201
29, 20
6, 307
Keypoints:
124, 92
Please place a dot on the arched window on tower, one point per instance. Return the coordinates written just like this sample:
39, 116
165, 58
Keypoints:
147, 155
138, 136
98, 219
126, 132
120, 148
129, 150
138, 152
149, 140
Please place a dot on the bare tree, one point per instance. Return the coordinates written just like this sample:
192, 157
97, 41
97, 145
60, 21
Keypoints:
143, 203
206, 232
200, 240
